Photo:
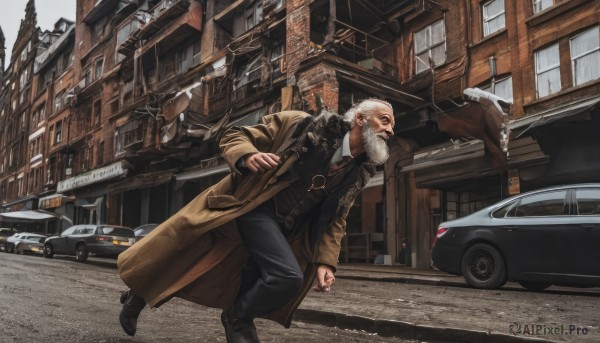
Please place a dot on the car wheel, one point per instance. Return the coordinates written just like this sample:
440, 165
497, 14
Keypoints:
16, 248
534, 286
483, 266
81, 253
48, 251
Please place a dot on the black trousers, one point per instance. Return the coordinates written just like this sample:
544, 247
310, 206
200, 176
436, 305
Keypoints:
272, 276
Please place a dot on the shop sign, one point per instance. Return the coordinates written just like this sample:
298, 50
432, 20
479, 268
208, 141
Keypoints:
514, 183
93, 176
51, 201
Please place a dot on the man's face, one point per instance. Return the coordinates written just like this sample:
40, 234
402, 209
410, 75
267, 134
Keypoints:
377, 129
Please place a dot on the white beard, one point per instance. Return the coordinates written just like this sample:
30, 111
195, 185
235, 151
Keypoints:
375, 146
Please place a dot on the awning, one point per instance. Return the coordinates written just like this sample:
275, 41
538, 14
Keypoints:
141, 181
557, 113
443, 155
202, 172
28, 215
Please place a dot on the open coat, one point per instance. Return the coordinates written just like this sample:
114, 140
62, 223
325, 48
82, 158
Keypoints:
198, 255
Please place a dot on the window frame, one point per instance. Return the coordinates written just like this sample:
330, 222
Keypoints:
587, 53
541, 6
494, 82
486, 20
429, 46
548, 69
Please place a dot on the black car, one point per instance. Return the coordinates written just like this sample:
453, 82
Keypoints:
544, 237
81, 240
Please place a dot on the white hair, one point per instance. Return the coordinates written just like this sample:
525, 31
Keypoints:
366, 107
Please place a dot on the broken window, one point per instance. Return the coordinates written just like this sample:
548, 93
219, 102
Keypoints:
430, 45
130, 133
493, 17
250, 73
585, 56
547, 70
277, 59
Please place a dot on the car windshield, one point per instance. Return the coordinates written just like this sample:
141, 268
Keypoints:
116, 231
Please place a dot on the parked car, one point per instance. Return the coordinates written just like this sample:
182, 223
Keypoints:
6, 232
143, 230
540, 238
25, 242
81, 240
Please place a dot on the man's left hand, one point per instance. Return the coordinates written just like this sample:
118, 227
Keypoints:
325, 279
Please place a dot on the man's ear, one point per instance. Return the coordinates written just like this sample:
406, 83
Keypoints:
360, 119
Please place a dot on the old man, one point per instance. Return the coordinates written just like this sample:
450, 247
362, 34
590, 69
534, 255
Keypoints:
253, 243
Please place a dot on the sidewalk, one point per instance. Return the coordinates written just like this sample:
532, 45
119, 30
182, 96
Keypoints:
375, 290
398, 273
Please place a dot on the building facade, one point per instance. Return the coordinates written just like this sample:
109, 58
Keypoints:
122, 121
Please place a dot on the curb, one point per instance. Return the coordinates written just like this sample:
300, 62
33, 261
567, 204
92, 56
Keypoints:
407, 280
405, 330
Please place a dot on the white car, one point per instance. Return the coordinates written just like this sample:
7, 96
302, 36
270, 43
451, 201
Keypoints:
25, 242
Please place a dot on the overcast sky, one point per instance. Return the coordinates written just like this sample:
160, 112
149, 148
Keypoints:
48, 12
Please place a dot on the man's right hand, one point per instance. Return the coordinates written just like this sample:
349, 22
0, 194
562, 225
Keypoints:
261, 161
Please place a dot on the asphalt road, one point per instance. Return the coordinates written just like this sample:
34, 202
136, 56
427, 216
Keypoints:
61, 300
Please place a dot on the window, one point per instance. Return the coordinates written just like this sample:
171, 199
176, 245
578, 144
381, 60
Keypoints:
58, 132
588, 201
501, 87
430, 43
277, 55
100, 153
493, 17
547, 71
543, 204
99, 29
585, 56
51, 135
540, 5
97, 111
254, 15
35, 148
130, 133
98, 68
58, 102
38, 116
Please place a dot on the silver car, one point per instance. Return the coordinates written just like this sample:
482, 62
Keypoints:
25, 242
97, 239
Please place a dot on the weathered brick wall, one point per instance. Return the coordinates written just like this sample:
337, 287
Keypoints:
298, 40
320, 79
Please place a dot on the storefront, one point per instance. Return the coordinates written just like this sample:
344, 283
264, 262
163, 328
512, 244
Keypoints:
89, 191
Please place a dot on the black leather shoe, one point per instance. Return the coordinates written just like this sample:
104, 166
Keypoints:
238, 330
132, 306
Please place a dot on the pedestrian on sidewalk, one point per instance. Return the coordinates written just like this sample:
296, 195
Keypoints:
253, 243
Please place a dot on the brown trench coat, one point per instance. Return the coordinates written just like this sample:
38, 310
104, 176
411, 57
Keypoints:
197, 254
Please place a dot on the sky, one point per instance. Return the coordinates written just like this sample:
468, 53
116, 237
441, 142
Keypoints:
48, 12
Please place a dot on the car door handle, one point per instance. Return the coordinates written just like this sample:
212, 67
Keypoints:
510, 228
588, 227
